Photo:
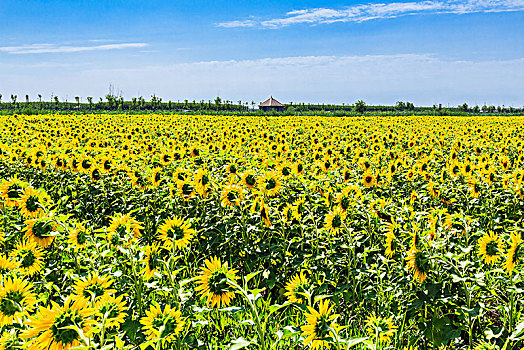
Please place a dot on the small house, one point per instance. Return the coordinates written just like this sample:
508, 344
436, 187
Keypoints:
271, 104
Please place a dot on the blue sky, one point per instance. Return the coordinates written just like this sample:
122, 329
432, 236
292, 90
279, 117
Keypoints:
427, 52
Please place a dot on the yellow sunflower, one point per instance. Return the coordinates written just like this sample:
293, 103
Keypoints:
123, 229
56, 328
29, 258
417, 263
214, 282
93, 287
6, 265
185, 189
231, 195
162, 325
176, 233
11, 191
334, 220
152, 260
16, 301
270, 183
516, 248
111, 311
296, 288
380, 328
78, 235
369, 180
40, 230
490, 248
391, 244
33, 202
202, 182
250, 180
320, 326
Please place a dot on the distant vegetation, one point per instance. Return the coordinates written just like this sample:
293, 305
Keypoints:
219, 106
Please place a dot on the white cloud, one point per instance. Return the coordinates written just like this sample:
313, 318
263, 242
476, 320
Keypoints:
377, 79
54, 48
367, 12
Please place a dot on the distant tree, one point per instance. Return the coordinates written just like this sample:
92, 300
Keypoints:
218, 101
400, 105
499, 109
133, 102
360, 106
26, 98
77, 99
476, 109
410, 106
56, 100
90, 100
0, 98
464, 107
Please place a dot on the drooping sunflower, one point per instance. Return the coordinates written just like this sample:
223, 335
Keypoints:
264, 213
33, 202
296, 288
93, 287
231, 195
516, 249
11, 191
202, 182
123, 229
490, 248
335, 220
111, 310
175, 233
56, 328
391, 244
16, 301
270, 183
214, 282
78, 235
320, 326
380, 328
95, 174
348, 196
152, 260
162, 325
417, 263
474, 187
29, 258
156, 177
40, 230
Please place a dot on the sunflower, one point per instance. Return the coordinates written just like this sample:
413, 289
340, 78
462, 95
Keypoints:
11, 191
516, 248
123, 229
298, 168
202, 182
152, 260
231, 195
250, 180
156, 177
380, 328
285, 170
490, 248
6, 265
57, 328
348, 196
296, 288
11, 341
417, 263
215, 282
232, 169
16, 301
391, 244
93, 287
95, 174
40, 230
474, 188
162, 325
369, 179
270, 183
287, 213
175, 233
320, 326
33, 202
85, 165
29, 258
165, 158
185, 189
264, 214
78, 236
111, 311
335, 220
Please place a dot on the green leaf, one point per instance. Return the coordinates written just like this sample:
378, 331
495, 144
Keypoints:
239, 343
353, 341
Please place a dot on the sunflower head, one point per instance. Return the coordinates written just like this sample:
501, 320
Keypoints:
214, 282
490, 248
380, 328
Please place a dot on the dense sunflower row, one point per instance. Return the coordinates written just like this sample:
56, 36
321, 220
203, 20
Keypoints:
196, 232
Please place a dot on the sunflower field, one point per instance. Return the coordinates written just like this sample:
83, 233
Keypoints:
202, 232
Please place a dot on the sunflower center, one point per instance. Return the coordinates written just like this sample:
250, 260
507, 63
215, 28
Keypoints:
81, 237
42, 229
32, 204
107, 165
154, 261
300, 167
420, 262
28, 259
205, 180
157, 177
64, 328
218, 282
86, 164
13, 192
250, 180
10, 303
369, 179
346, 176
233, 169
345, 202
271, 184
232, 196
492, 248
337, 221
286, 171
175, 233
96, 174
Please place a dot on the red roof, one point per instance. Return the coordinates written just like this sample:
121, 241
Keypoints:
271, 102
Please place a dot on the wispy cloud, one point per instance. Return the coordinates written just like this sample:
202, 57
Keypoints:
54, 48
367, 12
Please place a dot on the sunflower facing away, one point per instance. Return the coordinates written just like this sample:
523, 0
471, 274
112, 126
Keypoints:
516, 248
295, 288
213, 282
175, 233
93, 287
123, 229
490, 248
380, 328
16, 301
231, 195
320, 326
391, 244
56, 328
33, 202
162, 325
111, 310
29, 258
418, 264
